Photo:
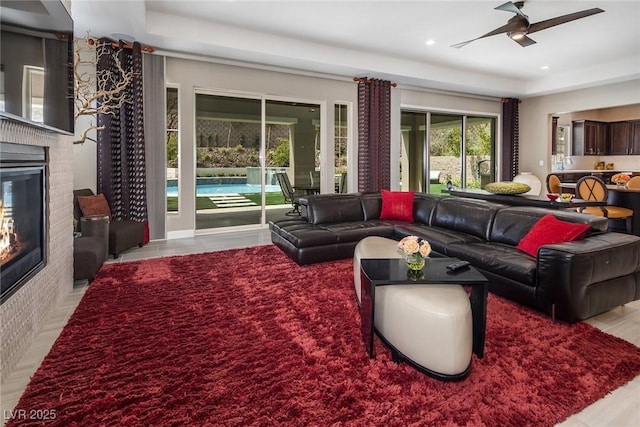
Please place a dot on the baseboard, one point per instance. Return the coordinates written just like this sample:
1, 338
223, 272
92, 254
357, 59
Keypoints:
180, 234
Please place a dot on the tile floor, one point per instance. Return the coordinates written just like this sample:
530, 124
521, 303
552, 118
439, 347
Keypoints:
620, 408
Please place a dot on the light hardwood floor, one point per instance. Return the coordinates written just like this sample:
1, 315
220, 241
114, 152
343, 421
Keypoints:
621, 408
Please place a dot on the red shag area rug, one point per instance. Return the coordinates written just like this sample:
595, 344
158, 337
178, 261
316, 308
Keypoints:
249, 338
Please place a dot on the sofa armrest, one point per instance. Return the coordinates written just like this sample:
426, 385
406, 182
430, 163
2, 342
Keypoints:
570, 275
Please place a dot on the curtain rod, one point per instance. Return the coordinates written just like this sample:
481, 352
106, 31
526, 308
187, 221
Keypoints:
147, 49
366, 80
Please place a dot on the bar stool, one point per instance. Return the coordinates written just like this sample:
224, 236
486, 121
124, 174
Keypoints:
593, 188
634, 183
553, 184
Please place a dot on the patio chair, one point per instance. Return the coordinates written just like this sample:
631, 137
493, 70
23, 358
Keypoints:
343, 183
290, 196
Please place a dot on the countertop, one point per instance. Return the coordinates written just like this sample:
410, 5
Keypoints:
593, 171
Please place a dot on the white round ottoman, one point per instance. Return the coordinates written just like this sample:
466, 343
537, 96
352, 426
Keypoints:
429, 325
372, 247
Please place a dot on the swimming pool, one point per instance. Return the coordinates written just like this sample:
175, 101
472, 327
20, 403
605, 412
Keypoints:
213, 189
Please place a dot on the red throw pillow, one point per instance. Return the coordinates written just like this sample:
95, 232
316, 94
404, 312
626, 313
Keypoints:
94, 205
549, 230
397, 205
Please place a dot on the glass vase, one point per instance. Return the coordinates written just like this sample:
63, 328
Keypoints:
415, 262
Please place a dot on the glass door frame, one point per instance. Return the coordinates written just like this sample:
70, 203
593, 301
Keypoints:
325, 146
463, 115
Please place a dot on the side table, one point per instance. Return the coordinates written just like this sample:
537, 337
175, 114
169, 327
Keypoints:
96, 226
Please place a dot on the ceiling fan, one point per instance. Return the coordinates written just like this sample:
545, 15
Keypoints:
518, 26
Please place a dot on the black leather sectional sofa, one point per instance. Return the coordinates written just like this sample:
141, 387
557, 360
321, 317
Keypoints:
570, 281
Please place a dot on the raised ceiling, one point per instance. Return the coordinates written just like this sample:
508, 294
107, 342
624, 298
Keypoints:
386, 39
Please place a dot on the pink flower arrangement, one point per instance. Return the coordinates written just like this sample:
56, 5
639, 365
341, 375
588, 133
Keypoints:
413, 246
620, 178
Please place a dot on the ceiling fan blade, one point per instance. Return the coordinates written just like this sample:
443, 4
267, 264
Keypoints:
537, 26
524, 41
511, 7
511, 26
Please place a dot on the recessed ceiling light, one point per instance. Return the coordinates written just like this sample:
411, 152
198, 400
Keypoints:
430, 42
545, 67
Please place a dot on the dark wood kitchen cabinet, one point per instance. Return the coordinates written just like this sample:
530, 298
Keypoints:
624, 137
619, 134
589, 138
634, 139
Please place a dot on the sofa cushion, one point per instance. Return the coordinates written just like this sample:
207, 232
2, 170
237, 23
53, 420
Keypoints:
332, 208
371, 205
513, 223
465, 215
549, 230
502, 260
423, 207
308, 236
397, 205
356, 231
439, 238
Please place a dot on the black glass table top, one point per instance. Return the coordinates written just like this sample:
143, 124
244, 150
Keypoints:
434, 271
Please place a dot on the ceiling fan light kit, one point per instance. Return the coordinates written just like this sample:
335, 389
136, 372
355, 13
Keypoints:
518, 27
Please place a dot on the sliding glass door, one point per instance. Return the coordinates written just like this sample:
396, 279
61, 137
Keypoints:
440, 149
241, 143
228, 169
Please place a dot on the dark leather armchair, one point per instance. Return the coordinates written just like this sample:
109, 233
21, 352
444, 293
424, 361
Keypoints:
123, 234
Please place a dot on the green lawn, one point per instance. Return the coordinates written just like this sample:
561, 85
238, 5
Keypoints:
271, 198
201, 203
206, 203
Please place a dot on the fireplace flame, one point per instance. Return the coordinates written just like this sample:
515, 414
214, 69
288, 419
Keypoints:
8, 235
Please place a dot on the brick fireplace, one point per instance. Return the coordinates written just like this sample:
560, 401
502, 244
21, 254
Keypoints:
23, 313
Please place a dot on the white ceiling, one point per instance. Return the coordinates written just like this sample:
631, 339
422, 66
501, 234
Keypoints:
386, 39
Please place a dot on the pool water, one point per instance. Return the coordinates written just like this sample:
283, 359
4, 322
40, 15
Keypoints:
213, 189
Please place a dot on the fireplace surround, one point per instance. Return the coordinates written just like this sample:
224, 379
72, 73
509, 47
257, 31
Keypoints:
22, 215
24, 313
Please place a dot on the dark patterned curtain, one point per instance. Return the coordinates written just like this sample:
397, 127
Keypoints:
374, 134
510, 139
121, 154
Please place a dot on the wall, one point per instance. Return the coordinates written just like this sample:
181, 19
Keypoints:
535, 120
23, 314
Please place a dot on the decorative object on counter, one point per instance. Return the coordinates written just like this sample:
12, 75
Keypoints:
567, 197
553, 196
599, 166
609, 166
620, 179
414, 250
507, 187
531, 180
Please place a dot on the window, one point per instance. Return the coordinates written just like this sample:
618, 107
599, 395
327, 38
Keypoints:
340, 147
173, 164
